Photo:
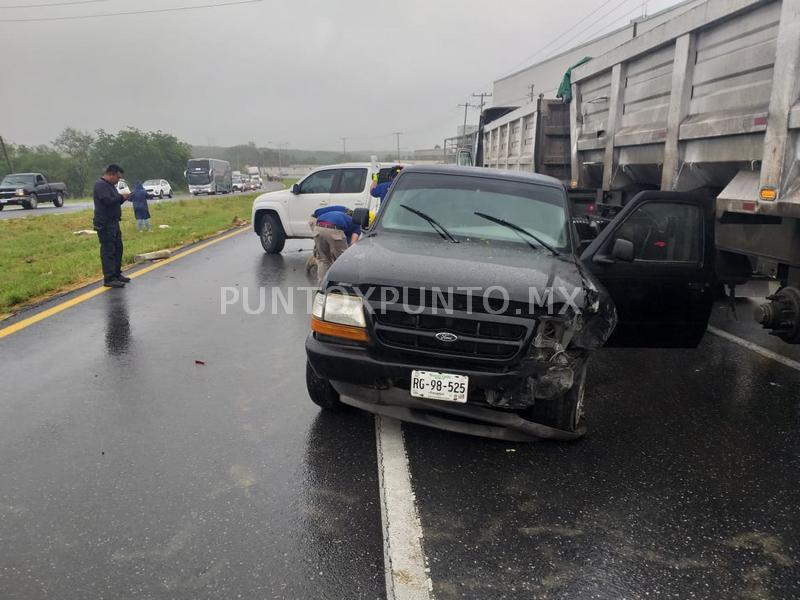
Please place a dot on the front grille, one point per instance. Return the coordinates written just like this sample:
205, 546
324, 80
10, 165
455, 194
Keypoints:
480, 336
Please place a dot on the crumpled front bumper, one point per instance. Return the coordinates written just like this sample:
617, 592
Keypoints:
370, 385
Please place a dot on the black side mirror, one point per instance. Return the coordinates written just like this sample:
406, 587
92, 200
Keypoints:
296, 188
361, 217
623, 250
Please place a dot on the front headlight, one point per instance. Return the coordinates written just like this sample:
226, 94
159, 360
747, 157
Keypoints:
344, 310
20, 192
319, 306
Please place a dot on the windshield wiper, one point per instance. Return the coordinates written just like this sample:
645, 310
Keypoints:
518, 229
438, 227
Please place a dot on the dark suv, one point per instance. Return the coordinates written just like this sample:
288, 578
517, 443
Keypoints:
471, 305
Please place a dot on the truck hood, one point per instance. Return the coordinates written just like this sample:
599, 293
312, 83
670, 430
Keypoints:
400, 260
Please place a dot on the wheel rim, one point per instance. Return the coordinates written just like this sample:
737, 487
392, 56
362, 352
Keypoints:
59, 200
579, 404
266, 233
34, 202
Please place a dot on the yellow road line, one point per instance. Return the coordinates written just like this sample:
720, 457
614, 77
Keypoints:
41, 316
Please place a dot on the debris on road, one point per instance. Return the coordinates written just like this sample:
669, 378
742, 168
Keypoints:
237, 222
157, 255
199, 362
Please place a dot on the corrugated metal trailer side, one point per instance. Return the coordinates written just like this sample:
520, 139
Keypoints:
708, 101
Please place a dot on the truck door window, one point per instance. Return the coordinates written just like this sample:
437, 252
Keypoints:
320, 182
39, 180
663, 232
352, 181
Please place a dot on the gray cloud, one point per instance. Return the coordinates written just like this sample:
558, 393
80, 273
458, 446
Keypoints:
303, 71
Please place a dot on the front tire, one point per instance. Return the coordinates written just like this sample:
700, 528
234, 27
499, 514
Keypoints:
32, 203
273, 237
321, 391
566, 411
59, 201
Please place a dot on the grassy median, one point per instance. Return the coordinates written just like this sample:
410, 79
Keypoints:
40, 256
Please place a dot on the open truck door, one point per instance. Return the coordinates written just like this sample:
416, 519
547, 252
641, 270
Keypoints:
656, 259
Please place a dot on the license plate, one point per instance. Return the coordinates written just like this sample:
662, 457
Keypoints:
439, 386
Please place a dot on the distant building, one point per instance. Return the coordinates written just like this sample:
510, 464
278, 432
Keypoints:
429, 154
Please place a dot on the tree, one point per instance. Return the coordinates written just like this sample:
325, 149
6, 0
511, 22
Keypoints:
78, 146
144, 155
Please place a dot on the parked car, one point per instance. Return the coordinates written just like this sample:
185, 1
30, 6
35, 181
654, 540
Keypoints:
158, 188
526, 311
281, 215
28, 189
122, 187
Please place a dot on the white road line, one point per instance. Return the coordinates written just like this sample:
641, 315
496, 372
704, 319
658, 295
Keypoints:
404, 561
755, 348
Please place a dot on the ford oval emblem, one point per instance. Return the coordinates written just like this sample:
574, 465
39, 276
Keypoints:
446, 336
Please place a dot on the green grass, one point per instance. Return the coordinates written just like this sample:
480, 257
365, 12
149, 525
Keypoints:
40, 256
289, 182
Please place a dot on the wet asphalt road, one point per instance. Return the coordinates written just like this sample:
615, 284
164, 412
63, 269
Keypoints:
130, 471
47, 208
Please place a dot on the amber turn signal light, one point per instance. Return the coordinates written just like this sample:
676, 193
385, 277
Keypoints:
768, 193
347, 332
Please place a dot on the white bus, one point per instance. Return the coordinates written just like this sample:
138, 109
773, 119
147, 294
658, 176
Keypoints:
209, 176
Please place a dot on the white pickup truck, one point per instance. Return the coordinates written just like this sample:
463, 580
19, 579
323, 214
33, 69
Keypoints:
281, 215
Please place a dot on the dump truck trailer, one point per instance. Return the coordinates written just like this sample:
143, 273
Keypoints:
708, 103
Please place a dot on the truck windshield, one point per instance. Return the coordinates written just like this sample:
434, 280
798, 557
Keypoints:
460, 204
18, 180
152, 182
201, 178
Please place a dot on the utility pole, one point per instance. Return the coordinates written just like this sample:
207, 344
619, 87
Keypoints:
398, 134
530, 91
463, 136
5, 153
344, 146
279, 145
482, 95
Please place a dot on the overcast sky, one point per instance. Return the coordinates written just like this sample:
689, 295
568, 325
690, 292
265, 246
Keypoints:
306, 72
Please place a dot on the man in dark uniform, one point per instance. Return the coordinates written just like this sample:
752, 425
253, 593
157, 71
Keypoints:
107, 214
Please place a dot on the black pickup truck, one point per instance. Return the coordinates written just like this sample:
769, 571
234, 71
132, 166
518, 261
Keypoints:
29, 189
472, 305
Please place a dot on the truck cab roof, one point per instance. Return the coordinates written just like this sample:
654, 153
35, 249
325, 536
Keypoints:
485, 173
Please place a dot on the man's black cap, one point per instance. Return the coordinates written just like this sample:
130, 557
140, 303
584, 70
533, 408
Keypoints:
112, 168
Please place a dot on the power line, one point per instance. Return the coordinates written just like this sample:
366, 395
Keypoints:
55, 4
129, 13
610, 26
558, 37
594, 34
